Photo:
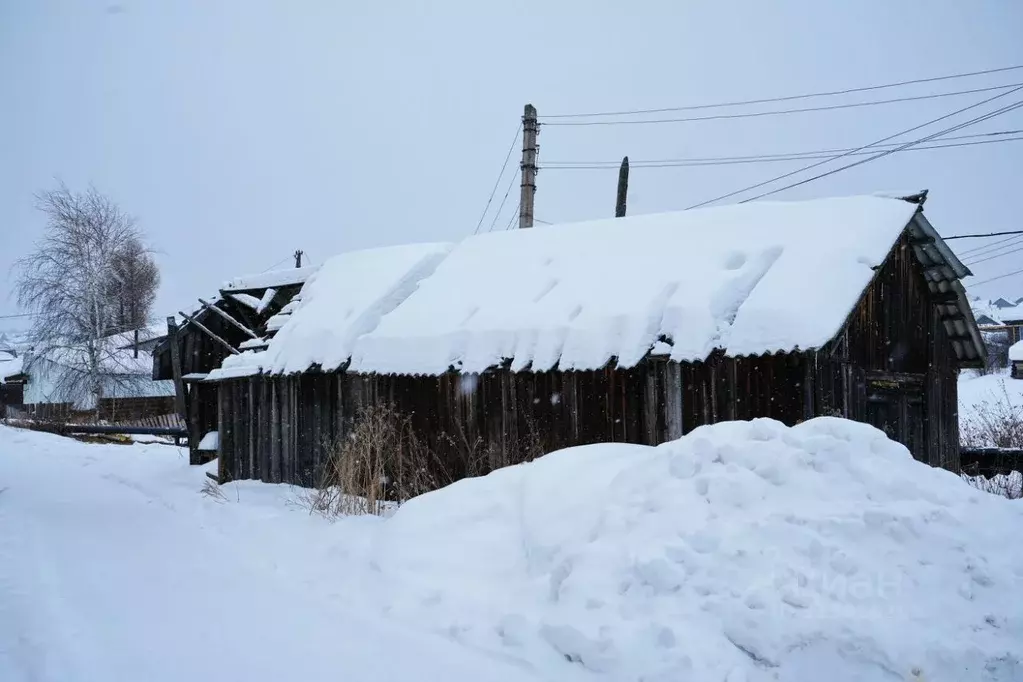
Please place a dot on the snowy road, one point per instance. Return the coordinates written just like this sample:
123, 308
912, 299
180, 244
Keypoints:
112, 567
745, 552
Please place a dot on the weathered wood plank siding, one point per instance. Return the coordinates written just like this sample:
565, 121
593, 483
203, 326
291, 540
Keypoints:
898, 350
942, 401
512, 416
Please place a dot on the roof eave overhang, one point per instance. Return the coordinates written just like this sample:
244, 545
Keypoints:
944, 273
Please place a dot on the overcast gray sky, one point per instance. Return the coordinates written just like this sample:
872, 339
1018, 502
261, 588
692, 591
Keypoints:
239, 131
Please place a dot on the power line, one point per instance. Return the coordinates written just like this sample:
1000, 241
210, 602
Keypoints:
507, 191
997, 255
11, 317
513, 216
913, 143
866, 146
984, 247
770, 158
617, 162
780, 112
989, 248
981, 235
992, 279
278, 263
787, 98
504, 166
1001, 245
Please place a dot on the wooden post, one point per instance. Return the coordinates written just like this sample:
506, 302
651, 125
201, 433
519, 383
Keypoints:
623, 188
530, 128
673, 400
298, 258
179, 385
136, 342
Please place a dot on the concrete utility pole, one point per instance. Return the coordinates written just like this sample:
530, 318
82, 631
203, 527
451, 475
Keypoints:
298, 258
530, 129
623, 188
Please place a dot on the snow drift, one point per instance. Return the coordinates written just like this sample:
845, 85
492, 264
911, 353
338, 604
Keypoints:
744, 551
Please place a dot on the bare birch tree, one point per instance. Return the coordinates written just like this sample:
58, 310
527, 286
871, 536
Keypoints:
90, 255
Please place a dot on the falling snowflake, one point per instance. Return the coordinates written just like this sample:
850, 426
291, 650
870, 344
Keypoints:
468, 384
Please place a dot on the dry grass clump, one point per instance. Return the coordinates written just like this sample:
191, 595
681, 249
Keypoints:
382, 463
994, 422
211, 489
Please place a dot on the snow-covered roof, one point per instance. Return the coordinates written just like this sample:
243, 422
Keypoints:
273, 278
999, 311
10, 365
747, 279
341, 302
985, 313
126, 339
114, 361
1001, 303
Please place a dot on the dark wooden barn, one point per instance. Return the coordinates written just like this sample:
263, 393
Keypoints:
240, 317
892, 359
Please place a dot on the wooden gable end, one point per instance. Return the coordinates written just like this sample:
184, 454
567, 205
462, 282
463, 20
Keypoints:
890, 329
903, 368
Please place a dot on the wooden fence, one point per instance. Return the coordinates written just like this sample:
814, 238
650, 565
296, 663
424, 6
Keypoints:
989, 462
71, 417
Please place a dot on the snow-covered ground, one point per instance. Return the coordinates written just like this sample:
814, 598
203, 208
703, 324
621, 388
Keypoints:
114, 568
975, 390
744, 552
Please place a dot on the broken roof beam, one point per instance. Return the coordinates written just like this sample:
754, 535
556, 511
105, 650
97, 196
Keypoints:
230, 319
202, 327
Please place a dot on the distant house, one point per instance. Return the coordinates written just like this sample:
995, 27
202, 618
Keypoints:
240, 317
1001, 325
1012, 322
128, 389
636, 329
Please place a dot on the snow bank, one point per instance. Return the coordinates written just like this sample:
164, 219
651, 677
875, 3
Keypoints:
978, 392
752, 278
1016, 351
744, 551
